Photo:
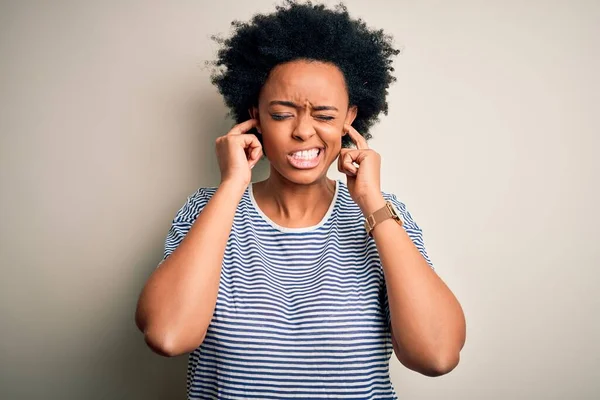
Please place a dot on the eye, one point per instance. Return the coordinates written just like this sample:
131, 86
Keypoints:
279, 117
325, 117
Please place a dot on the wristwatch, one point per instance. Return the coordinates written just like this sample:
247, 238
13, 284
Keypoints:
386, 212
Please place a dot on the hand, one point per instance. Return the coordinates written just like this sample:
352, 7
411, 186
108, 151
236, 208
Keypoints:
363, 181
237, 153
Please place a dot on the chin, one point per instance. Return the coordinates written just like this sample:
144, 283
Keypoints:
302, 177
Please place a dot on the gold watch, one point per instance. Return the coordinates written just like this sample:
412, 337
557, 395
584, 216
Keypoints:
386, 212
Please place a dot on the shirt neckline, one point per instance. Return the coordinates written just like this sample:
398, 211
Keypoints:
300, 229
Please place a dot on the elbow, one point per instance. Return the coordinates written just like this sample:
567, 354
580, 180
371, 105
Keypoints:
162, 345
169, 344
448, 357
442, 365
430, 366
437, 363
161, 338
167, 338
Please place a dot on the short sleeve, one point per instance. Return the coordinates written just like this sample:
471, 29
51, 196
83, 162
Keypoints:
410, 226
415, 233
184, 219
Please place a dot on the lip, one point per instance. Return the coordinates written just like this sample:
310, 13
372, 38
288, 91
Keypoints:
300, 164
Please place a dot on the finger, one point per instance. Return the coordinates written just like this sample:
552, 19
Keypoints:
255, 156
249, 142
256, 153
252, 153
341, 159
347, 162
243, 127
252, 147
357, 138
345, 169
353, 154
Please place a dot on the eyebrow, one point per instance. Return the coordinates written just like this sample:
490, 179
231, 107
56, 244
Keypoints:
294, 105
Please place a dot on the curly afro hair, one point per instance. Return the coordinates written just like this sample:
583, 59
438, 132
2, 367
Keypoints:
309, 32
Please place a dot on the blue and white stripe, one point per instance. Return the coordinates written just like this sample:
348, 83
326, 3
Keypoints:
301, 313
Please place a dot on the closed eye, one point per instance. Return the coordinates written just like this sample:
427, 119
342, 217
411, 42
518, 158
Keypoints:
281, 117
325, 117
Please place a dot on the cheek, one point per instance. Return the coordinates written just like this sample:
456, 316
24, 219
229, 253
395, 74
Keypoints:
335, 149
333, 140
332, 135
275, 129
273, 139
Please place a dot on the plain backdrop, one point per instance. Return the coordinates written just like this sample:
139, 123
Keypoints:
108, 122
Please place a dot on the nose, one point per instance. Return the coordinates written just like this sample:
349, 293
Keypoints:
304, 128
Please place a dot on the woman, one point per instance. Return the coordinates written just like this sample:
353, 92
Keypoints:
278, 288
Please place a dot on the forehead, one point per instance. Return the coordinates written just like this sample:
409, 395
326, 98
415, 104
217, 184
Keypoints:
301, 81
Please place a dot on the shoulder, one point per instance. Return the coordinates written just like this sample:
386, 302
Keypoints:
349, 205
202, 194
194, 203
410, 226
401, 207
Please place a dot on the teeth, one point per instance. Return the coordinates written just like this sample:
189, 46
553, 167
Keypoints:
306, 154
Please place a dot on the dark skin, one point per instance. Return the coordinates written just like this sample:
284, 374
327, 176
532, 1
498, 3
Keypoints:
177, 303
302, 105
425, 313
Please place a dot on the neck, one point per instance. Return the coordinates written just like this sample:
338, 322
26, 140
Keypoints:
294, 205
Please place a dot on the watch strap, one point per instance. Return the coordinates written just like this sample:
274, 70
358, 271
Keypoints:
386, 212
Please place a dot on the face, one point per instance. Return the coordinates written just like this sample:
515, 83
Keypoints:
302, 110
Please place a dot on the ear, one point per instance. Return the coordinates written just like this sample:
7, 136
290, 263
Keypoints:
253, 111
350, 117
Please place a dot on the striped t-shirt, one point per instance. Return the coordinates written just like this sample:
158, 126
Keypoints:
301, 313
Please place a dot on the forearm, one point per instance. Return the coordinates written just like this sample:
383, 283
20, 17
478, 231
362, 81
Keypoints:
427, 321
178, 301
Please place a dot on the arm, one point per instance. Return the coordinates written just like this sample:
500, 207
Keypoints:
427, 322
178, 300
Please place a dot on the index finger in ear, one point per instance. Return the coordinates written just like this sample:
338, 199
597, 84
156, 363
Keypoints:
243, 127
357, 138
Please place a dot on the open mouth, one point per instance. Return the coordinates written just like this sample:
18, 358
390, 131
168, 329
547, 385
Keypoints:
306, 159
